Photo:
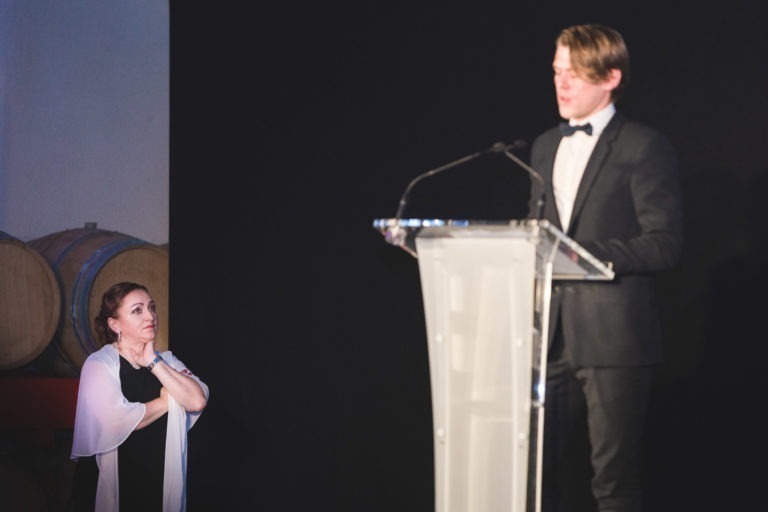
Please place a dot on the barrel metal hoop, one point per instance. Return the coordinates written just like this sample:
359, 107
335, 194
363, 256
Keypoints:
84, 236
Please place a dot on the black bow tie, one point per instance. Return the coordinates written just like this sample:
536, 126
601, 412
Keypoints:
568, 130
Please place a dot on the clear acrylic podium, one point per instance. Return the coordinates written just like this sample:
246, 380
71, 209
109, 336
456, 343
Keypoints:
486, 291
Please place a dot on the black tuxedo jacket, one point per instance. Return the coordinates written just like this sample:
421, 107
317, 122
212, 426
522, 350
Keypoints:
627, 211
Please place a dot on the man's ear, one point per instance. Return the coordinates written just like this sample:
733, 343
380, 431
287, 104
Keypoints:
613, 80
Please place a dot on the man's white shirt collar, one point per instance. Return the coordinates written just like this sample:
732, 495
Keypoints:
599, 120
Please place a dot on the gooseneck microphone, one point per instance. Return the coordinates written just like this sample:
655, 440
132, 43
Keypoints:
535, 175
498, 147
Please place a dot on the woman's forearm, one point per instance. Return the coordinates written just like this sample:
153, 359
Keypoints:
154, 409
185, 390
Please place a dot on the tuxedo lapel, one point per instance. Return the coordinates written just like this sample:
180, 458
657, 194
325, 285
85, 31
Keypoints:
595, 165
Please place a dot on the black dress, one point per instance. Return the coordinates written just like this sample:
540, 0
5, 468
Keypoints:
140, 459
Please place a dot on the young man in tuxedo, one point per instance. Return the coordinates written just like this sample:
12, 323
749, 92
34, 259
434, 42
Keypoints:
612, 186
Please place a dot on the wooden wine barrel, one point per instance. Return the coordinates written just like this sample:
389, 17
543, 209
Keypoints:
87, 261
30, 303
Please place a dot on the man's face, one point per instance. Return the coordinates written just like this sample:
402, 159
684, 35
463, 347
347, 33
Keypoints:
577, 97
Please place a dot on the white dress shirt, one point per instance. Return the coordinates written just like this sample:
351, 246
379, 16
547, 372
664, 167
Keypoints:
571, 159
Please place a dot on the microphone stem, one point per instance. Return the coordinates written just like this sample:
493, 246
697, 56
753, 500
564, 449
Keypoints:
536, 176
427, 174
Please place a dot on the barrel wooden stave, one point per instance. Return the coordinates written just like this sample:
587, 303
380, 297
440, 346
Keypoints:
30, 303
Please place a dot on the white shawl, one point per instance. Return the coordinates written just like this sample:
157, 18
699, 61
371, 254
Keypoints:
104, 419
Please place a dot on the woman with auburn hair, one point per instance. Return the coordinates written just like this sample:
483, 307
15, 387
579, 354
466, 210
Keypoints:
134, 408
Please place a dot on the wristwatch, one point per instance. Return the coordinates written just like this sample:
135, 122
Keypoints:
154, 362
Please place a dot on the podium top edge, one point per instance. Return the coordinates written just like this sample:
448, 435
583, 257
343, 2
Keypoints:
426, 223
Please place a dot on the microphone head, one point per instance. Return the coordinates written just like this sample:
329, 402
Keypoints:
500, 147
518, 144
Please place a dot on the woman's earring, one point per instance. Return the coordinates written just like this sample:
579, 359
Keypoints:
120, 333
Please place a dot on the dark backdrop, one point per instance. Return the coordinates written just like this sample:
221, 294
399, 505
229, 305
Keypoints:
294, 127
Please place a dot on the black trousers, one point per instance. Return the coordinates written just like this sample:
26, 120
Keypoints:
599, 414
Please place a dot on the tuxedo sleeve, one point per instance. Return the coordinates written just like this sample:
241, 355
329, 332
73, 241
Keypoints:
654, 240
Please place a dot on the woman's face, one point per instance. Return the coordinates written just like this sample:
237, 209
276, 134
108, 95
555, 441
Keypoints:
136, 318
